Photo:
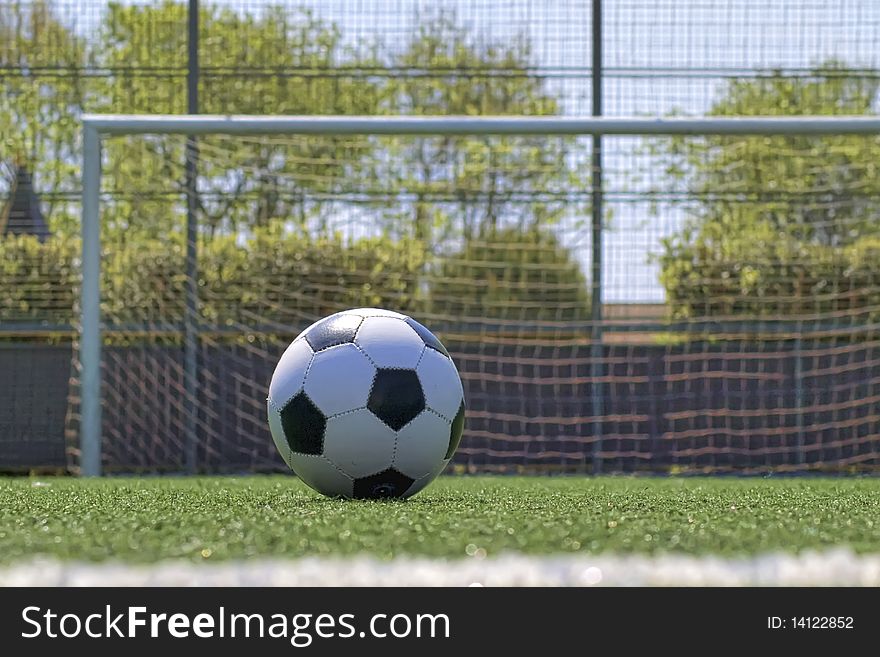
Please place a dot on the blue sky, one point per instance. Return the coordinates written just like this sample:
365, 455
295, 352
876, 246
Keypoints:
659, 57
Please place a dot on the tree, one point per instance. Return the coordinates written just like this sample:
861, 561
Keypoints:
277, 61
273, 62
455, 192
471, 186
41, 91
770, 219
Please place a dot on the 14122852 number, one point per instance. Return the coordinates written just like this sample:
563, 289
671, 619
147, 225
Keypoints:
810, 622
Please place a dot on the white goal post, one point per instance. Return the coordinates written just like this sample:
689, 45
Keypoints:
96, 127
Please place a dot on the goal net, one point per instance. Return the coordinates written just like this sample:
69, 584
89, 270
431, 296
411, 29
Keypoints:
712, 306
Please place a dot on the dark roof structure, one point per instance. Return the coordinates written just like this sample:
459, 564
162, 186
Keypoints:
21, 214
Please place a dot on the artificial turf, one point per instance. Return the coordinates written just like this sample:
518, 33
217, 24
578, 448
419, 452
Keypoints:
207, 519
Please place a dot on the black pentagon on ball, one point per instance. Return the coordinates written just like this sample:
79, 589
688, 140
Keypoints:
303, 425
455, 432
385, 484
334, 330
427, 337
396, 397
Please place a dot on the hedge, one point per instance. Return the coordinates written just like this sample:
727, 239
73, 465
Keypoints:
767, 274
511, 275
272, 278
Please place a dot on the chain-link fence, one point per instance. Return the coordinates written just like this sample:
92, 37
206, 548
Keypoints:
735, 279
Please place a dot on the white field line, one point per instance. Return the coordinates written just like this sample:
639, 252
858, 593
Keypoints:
833, 568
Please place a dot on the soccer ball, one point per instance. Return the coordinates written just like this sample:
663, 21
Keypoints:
366, 403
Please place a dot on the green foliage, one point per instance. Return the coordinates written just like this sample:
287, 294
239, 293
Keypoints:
764, 273
472, 186
275, 278
282, 278
511, 275
474, 190
775, 223
251, 64
143, 283
283, 62
37, 280
39, 106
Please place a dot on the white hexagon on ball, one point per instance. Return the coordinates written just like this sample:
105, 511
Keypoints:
319, 473
422, 444
390, 342
359, 443
339, 379
290, 372
441, 383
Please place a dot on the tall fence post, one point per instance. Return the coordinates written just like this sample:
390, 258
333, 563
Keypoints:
191, 320
596, 352
90, 307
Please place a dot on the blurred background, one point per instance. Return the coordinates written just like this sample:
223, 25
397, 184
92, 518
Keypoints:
698, 304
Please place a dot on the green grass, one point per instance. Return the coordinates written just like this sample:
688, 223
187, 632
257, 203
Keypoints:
201, 519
